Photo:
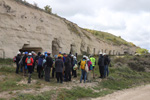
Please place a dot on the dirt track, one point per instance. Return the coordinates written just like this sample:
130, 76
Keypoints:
139, 93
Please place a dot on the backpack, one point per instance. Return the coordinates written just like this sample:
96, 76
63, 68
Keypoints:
28, 61
83, 64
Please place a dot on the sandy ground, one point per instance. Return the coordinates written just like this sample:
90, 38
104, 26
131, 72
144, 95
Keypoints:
138, 93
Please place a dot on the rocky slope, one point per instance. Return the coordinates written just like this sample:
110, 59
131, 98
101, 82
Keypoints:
26, 28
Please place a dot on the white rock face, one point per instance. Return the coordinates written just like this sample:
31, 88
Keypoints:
28, 29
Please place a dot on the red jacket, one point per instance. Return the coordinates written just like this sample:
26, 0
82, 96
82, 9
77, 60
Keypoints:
32, 61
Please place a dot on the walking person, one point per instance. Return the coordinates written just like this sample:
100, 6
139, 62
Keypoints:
67, 68
83, 72
101, 65
29, 61
49, 64
93, 60
59, 65
18, 57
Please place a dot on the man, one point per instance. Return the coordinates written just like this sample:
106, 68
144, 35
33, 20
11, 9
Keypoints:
59, 65
24, 63
39, 66
33, 56
93, 63
68, 68
36, 60
49, 64
101, 65
82, 64
106, 63
18, 57
29, 61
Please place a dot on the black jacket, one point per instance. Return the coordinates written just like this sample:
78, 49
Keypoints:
101, 61
18, 58
49, 61
106, 60
24, 59
59, 65
67, 64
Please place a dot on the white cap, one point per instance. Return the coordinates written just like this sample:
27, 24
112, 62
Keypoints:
104, 54
74, 57
30, 54
23, 53
84, 56
87, 57
100, 53
18, 52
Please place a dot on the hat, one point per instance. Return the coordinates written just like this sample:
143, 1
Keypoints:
45, 52
23, 53
100, 53
74, 57
104, 54
18, 52
26, 53
87, 57
55, 56
84, 56
30, 54
48, 53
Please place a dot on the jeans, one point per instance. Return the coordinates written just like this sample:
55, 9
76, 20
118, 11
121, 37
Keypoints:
84, 73
106, 71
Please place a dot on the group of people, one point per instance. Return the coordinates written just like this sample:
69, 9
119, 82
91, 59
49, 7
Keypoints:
63, 66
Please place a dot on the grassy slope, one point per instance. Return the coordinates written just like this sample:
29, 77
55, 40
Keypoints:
125, 73
110, 38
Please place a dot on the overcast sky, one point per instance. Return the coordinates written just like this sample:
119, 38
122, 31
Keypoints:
129, 19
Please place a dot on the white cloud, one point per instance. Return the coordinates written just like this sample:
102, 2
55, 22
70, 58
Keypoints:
129, 19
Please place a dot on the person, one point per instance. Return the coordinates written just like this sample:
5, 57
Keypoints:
21, 62
29, 61
18, 57
67, 68
53, 70
83, 72
106, 63
101, 65
39, 66
60, 55
59, 69
92, 59
90, 68
33, 56
74, 63
36, 60
25, 64
49, 64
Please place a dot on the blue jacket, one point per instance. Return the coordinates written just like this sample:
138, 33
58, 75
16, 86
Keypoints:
40, 61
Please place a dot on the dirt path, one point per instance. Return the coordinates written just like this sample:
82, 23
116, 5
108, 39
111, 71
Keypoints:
139, 93
66, 85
